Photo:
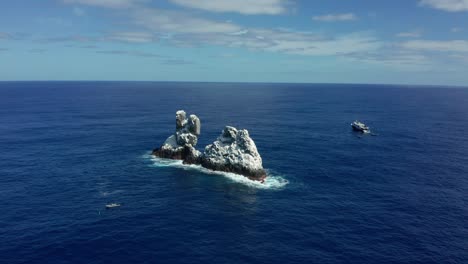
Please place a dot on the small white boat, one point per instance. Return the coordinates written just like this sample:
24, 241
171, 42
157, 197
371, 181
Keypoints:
112, 205
359, 126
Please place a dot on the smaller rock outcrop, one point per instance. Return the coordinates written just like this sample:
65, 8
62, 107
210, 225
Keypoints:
234, 151
181, 145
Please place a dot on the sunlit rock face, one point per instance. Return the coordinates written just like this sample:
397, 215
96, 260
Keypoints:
181, 145
233, 151
194, 125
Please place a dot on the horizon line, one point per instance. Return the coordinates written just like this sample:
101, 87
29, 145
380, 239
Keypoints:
252, 82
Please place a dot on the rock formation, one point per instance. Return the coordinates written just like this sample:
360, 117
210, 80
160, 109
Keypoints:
181, 145
233, 151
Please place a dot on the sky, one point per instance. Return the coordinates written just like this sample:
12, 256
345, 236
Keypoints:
305, 41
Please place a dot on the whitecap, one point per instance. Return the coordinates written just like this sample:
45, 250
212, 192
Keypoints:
110, 193
273, 181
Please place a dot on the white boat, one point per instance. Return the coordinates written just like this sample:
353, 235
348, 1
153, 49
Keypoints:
359, 126
112, 205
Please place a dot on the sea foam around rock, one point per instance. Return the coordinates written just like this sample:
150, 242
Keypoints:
272, 182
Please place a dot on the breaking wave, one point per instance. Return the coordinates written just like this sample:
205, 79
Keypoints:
273, 181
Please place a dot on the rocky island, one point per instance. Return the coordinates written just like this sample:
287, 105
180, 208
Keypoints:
233, 151
181, 145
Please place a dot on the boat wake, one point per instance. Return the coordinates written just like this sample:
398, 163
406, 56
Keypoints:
273, 181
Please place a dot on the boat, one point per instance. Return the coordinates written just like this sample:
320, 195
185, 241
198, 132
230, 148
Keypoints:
112, 205
359, 126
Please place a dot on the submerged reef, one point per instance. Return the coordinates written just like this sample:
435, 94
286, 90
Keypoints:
233, 151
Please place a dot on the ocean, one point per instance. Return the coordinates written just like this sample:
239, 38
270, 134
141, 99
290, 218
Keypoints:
398, 195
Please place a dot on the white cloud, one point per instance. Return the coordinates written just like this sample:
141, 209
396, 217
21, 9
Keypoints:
396, 59
335, 17
246, 7
456, 29
186, 29
447, 5
460, 57
104, 3
37, 50
242, 32
287, 42
78, 11
134, 37
308, 44
177, 22
437, 46
143, 24
131, 53
413, 34
4, 35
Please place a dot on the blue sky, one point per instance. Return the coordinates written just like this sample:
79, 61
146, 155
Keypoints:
319, 41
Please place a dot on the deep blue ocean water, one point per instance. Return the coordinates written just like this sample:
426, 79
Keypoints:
335, 196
